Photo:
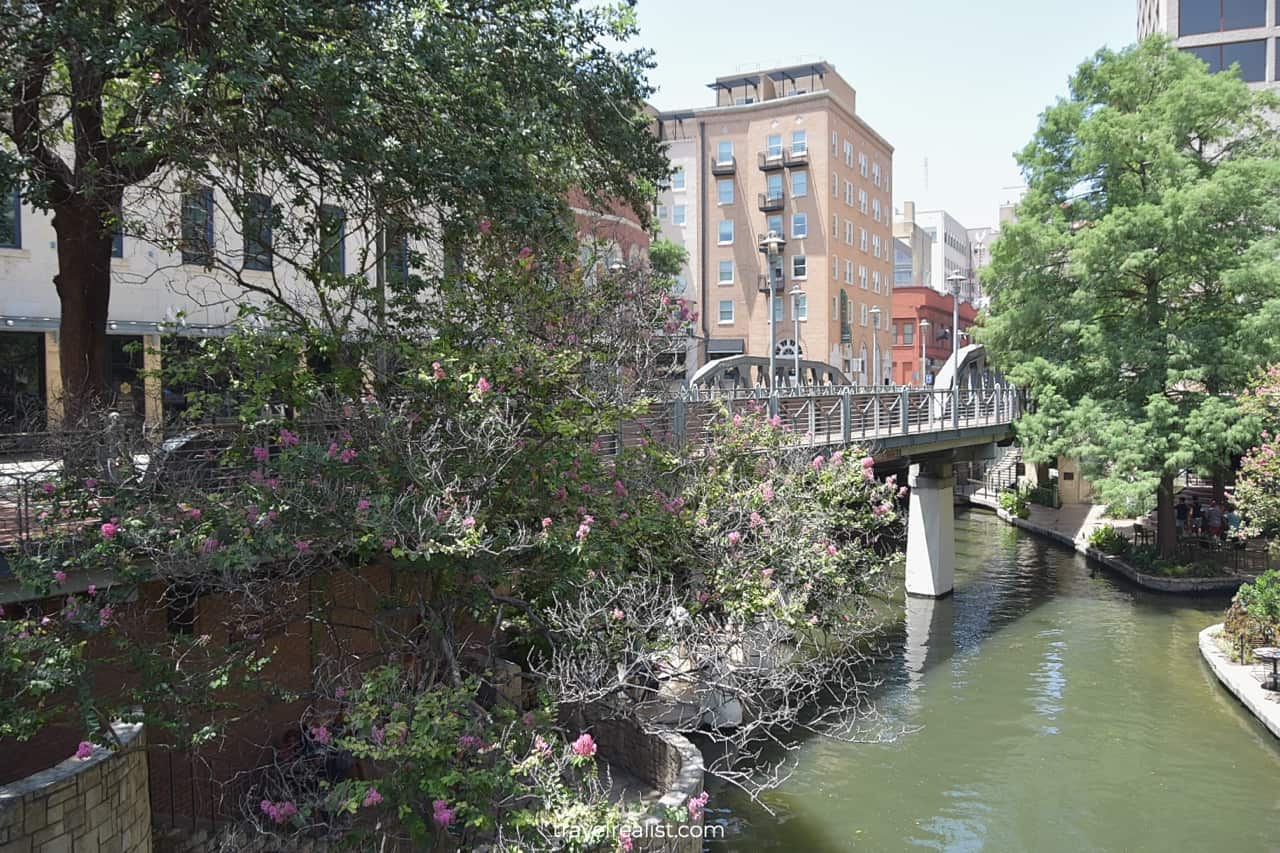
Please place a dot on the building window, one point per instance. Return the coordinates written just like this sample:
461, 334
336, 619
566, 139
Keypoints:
778, 302
875, 174
862, 314
726, 312
835, 185
333, 240
773, 146
677, 179
678, 214
724, 191
862, 239
726, 232
835, 226
726, 272
848, 272
862, 277
875, 209
197, 227
773, 185
1250, 55
799, 183
875, 281
724, 152
661, 213
799, 143
773, 222
835, 142
397, 256
802, 306
799, 225
862, 200
11, 220
862, 165
875, 245
893, 334
799, 267
908, 333
835, 267
256, 220
848, 231
1212, 16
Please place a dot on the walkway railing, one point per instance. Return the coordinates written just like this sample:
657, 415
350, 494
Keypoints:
826, 414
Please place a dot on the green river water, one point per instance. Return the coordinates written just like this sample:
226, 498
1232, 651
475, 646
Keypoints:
1051, 707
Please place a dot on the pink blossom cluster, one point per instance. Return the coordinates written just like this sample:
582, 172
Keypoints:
441, 814
585, 746
278, 812
697, 805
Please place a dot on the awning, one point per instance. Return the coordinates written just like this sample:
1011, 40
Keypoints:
726, 346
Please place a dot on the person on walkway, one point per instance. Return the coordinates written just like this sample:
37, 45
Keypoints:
1230, 523
1180, 513
1213, 520
1197, 515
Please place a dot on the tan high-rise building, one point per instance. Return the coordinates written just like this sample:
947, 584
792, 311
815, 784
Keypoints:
1221, 32
784, 150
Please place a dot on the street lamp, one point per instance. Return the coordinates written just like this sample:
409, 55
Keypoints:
771, 246
875, 345
956, 279
924, 353
796, 294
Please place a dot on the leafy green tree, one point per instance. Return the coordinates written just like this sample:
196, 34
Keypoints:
1126, 294
412, 114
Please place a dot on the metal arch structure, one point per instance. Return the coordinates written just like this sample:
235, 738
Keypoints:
752, 372
973, 371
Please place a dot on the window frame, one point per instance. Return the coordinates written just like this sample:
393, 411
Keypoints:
720, 320
721, 183
720, 148
203, 257
799, 267
801, 175
720, 268
679, 214
331, 214
720, 233
799, 225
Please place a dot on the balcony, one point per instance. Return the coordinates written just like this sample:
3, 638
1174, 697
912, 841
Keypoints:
724, 167
797, 156
770, 162
770, 202
779, 284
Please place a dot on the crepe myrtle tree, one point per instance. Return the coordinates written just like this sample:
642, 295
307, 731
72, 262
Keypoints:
754, 626
413, 116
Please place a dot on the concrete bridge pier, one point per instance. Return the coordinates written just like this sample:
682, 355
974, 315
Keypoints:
930, 637
931, 541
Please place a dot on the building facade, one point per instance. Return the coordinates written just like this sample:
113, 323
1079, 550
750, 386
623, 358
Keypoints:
913, 258
1220, 32
949, 242
783, 150
980, 243
919, 350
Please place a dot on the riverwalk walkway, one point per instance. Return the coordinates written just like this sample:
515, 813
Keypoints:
1241, 680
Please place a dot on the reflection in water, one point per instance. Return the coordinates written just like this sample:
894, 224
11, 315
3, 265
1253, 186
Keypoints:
1048, 707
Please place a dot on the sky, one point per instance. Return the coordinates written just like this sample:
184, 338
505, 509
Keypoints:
959, 84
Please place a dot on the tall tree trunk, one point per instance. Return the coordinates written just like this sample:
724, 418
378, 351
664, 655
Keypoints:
1219, 485
83, 282
1166, 535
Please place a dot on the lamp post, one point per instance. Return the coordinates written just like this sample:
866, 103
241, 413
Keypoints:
796, 293
955, 280
771, 246
924, 353
875, 345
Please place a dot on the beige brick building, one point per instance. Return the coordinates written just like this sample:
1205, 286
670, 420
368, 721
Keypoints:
784, 150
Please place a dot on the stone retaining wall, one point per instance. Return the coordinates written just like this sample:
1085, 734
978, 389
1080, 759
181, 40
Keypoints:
670, 763
99, 804
1239, 679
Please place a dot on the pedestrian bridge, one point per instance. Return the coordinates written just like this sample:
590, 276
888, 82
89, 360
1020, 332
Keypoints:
925, 430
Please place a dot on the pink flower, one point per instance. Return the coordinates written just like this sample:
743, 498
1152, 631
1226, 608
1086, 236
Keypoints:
109, 530
832, 550
92, 590
332, 452
818, 462
84, 750
320, 734
697, 804
262, 454
618, 615
766, 492
585, 746
469, 522
756, 519
767, 573
211, 545
485, 225
470, 743
194, 514
737, 421
437, 370
60, 576
362, 505
104, 616
624, 841
837, 457
278, 812
441, 814
388, 543
524, 252
618, 489
902, 492
483, 386
528, 718
47, 488
540, 746
288, 438
303, 545
372, 798
340, 693
868, 462
347, 456
775, 421
546, 523
90, 483
734, 537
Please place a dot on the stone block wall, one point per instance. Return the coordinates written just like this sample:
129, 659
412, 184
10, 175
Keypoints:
99, 804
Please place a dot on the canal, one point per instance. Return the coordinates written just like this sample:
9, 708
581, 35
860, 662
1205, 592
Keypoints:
1047, 706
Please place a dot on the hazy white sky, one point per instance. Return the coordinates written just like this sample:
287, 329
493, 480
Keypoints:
958, 83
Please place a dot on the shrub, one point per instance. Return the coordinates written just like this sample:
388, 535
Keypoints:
1016, 502
1108, 540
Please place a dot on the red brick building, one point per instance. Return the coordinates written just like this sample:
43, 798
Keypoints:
911, 307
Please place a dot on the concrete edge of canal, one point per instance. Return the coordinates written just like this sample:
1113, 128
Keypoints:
1159, 584
1240, 680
